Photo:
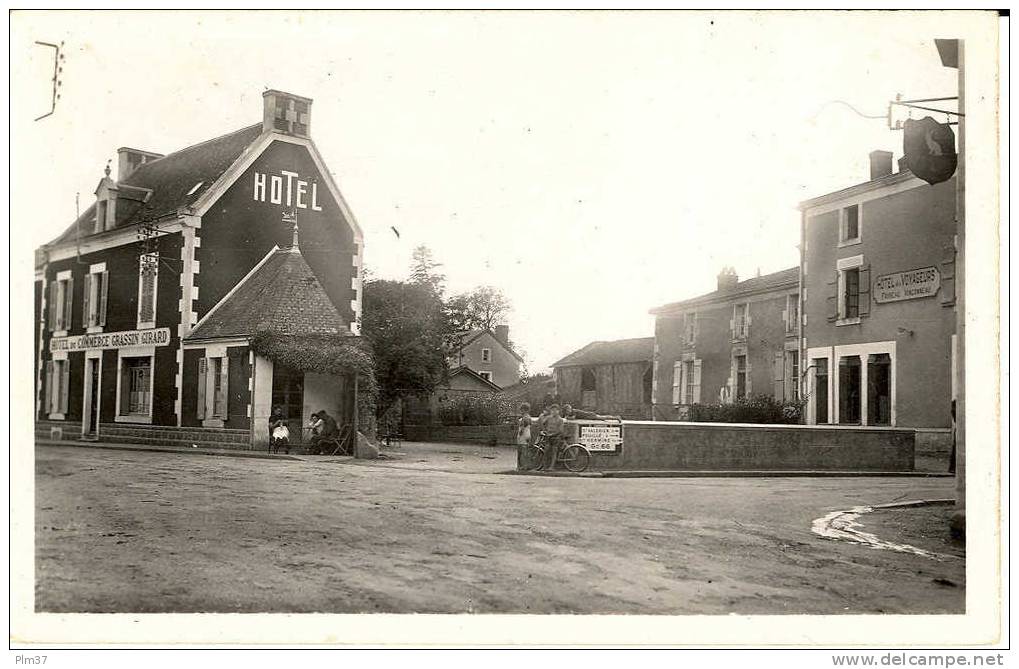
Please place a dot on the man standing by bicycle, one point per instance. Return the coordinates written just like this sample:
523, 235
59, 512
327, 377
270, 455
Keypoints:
554, 428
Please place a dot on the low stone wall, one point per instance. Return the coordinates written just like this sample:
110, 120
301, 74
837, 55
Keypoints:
462, 434
667, 445
660, 445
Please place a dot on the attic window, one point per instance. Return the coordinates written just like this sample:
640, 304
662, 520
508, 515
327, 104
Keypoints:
196, 187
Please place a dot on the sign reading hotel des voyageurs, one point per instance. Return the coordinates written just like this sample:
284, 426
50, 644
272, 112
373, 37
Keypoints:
915, 283
111, 340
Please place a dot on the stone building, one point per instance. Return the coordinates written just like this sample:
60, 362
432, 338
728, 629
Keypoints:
129, 293
878, 325
736, 341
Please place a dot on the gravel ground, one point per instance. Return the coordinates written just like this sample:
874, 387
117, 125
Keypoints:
436, 530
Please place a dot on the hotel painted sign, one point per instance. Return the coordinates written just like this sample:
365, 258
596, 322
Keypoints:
287, 189
911, 285
112, 340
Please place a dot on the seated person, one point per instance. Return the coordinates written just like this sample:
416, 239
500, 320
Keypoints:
279, 433
324, 429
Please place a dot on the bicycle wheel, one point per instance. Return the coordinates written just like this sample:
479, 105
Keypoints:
534, 456
576, 458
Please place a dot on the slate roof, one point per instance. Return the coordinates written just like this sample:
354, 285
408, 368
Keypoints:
465, 370
467, 337
786, 278
170, 180
611, 352
281, 295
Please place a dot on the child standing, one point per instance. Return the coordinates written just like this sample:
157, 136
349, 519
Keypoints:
524, 436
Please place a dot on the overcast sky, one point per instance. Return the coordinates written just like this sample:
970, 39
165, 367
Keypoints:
590, 165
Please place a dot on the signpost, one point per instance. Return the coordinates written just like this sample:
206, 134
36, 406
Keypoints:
910, 285
600, 436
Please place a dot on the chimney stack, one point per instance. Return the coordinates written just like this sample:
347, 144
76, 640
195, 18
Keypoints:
727, 278
880, 164
502, 334
286, 112
128, 160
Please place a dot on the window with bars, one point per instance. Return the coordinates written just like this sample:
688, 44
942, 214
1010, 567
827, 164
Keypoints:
148, 283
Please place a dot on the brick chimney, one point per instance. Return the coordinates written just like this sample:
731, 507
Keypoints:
286, 112
502, 334
727, 278
128, 160
880, 164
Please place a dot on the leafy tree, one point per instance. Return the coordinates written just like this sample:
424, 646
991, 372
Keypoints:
478, 309
424, 270
407, 326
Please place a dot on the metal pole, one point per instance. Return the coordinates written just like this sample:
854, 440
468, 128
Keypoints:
959, 516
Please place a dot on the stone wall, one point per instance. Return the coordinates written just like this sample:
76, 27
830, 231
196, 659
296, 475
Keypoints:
661, 445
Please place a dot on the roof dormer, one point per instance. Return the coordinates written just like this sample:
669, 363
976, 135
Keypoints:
106, 203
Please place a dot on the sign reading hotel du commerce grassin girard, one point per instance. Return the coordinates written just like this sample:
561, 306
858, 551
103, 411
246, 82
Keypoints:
111, 340
915, 283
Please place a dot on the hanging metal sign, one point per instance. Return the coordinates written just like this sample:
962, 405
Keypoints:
929, 149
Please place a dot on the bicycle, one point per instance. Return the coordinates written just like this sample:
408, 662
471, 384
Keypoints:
575, 457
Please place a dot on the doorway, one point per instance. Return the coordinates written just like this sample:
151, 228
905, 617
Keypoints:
90, 412
288, 394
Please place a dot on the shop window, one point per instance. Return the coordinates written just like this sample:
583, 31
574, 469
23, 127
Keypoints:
820, 390
136, 386
486, 355
879, 389
850, 227
849, 390
148, 275
97, 284
741, 376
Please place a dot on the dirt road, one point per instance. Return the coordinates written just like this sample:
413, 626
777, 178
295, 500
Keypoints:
439, 531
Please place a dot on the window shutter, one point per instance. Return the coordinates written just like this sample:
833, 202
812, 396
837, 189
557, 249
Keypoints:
785, 317
948, 275
683, 399
732, 324
48, 391
103, 290
779, 376
65, 378
203, 368
748, 374
87, 288
68, 303
696, 381
224, 377
148, 281
53, 306
677, 374
864, 290
833, 298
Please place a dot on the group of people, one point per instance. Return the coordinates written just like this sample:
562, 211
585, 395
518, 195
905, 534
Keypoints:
552, 423
323, 429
